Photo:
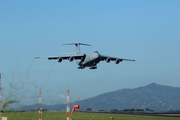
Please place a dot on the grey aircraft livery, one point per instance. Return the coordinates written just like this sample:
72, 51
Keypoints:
86, 60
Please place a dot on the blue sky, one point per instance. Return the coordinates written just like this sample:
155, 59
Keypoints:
147, 31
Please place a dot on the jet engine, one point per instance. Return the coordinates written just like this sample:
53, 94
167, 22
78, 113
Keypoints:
118, 61
108, 60
60, 59
71, 59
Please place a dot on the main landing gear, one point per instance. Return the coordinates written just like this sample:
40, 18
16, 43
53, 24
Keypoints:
81, 67
94, 67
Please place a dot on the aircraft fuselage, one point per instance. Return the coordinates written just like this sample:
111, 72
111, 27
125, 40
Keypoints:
90, 60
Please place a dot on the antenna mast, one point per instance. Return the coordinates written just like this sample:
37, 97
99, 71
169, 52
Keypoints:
68, 106
40, 104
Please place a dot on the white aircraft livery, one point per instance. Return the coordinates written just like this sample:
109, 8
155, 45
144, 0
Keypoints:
86, 60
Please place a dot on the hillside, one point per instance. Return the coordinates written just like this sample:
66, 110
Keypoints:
152, 96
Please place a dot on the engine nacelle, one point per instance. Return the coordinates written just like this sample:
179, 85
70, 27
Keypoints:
71, 59
108, 60
60, 59
118, 61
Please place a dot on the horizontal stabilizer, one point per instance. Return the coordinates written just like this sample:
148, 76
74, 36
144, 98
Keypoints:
77, 44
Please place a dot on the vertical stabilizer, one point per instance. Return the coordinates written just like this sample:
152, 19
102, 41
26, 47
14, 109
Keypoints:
77, 46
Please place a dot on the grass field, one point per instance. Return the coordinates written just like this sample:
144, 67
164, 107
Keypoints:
61, 115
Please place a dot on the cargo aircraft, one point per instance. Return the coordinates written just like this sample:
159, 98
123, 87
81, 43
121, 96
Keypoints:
86, 60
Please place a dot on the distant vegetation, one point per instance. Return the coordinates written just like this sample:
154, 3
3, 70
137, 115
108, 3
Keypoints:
61, 115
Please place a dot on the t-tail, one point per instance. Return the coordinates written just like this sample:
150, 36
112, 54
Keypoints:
77, 46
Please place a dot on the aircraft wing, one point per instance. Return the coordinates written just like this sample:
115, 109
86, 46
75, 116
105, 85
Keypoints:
66, 57
108, 59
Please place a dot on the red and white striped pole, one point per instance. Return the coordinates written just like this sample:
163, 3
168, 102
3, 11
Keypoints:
68, 106
40, 104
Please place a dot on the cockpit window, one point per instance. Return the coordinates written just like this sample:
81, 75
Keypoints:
95, 51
